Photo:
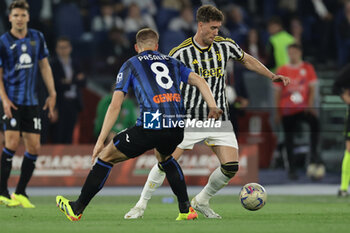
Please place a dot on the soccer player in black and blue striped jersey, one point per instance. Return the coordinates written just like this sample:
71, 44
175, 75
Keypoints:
22, 52
156, 80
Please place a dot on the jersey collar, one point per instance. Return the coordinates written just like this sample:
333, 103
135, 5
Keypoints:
196, 45
16, 38
147, 51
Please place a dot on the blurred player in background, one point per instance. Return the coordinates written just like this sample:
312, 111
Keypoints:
22, 51
126, 118
207, 54
342, 88
295, 104
156, 80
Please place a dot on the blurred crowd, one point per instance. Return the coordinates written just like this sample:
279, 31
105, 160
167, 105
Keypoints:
102, 31
98, 37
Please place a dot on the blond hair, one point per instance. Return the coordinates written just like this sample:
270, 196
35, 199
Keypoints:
147, 37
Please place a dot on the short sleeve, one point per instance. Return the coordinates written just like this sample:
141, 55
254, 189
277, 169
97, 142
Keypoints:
185, 72
174, 53
123, 80
43, 51
235, 52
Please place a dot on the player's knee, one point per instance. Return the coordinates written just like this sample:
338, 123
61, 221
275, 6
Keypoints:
34, 149
229, 169
12, 143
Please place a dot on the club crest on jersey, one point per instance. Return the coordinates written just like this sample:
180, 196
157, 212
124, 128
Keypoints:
24, 48
218, 54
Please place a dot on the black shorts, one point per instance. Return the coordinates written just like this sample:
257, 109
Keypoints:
24, 119
137, 140
347, 125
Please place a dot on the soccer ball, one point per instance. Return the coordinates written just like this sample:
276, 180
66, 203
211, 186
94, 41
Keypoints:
253, 196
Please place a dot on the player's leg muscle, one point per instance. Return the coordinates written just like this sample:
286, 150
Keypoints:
32, 142
111, 154
12, 139
226, 154
177, 153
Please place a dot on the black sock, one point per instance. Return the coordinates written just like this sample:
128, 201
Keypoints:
93, 183
5, 170
177, 183
27, 168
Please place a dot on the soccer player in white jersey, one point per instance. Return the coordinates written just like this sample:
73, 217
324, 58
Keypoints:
207, 54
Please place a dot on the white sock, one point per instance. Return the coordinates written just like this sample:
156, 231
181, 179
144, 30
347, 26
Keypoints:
217, 181
154, 180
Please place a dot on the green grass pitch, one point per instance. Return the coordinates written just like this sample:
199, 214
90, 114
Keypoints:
281, 214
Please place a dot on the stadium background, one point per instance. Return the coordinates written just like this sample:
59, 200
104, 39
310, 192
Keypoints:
102, 48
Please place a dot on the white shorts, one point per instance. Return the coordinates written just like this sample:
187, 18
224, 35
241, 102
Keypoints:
224, 137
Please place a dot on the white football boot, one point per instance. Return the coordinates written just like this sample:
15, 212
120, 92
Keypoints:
204, 209
134, 213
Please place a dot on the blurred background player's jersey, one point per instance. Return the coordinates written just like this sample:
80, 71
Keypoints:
19, 60
295, 96
156, 80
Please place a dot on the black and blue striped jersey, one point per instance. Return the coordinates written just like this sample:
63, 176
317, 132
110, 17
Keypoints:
19, 59
156, 80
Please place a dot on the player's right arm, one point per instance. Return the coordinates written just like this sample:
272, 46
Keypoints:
6, 102
255, 65
109, 121
202, 85
121, 88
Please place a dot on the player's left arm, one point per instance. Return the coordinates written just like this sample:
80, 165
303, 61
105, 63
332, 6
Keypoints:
46, 73
253, 64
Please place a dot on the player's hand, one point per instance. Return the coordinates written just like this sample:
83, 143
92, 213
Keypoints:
54, 118
50, 104
280, 78
97, 149
215, 113
7, 105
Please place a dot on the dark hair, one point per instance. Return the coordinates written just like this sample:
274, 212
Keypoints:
207, 13
22, 4
295, 46
146, 34
275, 20
63, 38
